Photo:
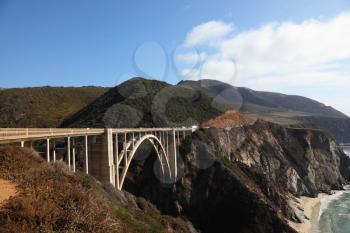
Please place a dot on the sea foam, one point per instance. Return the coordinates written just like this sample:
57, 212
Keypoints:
326, 200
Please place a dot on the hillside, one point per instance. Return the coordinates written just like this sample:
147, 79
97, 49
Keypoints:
52, 199
260, 101
146, 103
43, 106
140, 102
278, 108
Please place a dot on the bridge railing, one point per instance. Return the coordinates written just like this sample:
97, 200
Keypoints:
137, 130
8, 133
21, 134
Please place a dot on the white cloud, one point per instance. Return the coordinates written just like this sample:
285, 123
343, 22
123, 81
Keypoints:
280, 56
208, 32
192, 57
225, 69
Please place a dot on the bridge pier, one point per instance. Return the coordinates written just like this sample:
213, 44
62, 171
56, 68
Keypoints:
98, 163
68, 151
73, 158
86, 155
172, 154
48, 149
54, 150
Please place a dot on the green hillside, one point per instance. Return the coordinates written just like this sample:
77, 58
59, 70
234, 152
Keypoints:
140, 102
43, 106
292, 110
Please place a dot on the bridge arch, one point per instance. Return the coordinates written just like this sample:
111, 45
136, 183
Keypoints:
130, 150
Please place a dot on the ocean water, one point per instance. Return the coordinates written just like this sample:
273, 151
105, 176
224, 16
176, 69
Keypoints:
347, 150
334, 214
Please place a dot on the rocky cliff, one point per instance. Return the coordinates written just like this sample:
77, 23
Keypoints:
245, 178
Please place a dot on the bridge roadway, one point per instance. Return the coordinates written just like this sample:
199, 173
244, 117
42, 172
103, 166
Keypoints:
108, 152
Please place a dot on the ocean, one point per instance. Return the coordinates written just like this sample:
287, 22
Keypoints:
335, 211
346, 149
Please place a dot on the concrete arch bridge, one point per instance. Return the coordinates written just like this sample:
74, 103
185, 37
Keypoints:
107, 153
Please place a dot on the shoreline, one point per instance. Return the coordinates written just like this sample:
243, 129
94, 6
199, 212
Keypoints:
312, 207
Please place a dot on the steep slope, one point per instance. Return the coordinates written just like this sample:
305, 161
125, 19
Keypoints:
245, 178
278, 108
43, 106
146, 103
7, 190
52, 199
229, 119
338, 127
260, 101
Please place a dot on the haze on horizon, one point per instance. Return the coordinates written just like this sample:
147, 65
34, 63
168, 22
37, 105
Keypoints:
291, 47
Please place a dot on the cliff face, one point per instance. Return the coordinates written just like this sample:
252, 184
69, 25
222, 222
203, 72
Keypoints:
301, 161
245, 178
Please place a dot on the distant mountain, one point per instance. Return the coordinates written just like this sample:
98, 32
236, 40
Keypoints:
260, 101
278, 108
140, 102
43, 106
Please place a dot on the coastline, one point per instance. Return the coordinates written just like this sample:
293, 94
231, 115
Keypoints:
312, 207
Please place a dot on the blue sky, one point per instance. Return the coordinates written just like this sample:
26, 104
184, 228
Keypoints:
90, 42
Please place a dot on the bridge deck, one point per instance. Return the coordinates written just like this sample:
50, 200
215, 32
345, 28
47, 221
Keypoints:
11, 135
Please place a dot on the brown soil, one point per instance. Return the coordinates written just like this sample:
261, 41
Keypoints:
7, 190
228, 120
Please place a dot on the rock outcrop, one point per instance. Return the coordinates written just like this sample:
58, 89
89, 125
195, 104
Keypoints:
245, 178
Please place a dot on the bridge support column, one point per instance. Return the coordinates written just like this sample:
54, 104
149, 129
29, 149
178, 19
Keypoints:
54, 150
100, 152
86, 155
73, 151
172, 154
48, 149
110, 157
68, 151
22, 143
116, 170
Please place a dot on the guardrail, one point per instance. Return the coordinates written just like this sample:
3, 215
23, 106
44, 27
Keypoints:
8, 135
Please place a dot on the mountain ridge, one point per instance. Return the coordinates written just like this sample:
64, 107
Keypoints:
140, 102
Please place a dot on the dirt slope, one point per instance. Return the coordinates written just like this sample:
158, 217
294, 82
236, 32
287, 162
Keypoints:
7, 190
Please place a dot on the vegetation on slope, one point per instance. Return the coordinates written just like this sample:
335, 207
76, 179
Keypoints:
278, 108
146, 103
265, 102
43, 106
52, 199
229, 119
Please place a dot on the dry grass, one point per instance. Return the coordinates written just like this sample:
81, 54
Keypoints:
228, 120
7, 190
51, 199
